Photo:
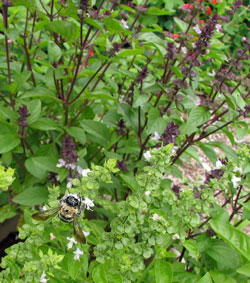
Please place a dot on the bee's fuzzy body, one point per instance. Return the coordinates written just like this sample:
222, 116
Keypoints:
70, 205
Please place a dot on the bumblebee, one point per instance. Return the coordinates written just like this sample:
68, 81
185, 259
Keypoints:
69, 208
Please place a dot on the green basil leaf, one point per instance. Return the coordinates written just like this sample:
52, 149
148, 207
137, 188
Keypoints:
32, 196
163, 271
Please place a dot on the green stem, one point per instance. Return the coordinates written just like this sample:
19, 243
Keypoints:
146, 270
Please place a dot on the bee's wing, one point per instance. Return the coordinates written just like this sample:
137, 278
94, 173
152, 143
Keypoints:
78, 233
46, 214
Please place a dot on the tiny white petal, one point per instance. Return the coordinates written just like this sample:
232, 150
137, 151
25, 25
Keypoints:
124, 23
69, 184
70, 166
43, 278
218, 164
237, 169
155, 217
61, 163
212, 74
52, 236
85, 233
156, 136
44, 208
197, 29
218, 27
174, 149
147, 193
70, 243
122, 99
88, 202
176, 237
85, 172
235, 181
79, 169
206, 166
77, 253
147, 155
184, 50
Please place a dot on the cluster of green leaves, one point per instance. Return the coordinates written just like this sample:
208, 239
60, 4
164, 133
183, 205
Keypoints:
148, 226
102, 73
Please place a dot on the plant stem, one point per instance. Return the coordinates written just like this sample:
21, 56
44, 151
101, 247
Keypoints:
5, 23
101, 76
29, 66
33, 29
146, 270
86, 85
182, 254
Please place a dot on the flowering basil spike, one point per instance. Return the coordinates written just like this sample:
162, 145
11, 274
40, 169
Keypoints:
78, 233
45, 214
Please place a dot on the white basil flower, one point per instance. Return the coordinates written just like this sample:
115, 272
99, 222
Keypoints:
43, 278
124, 23
85, 233
147, 155
156, 136
212, 74
197, 29
155, 217
61, 163
218, 27
85, 172
175, 237
77, 253
235, 180
237, 169
206, 166
218, 164
89, 203
70, 243
52, 236
70, 183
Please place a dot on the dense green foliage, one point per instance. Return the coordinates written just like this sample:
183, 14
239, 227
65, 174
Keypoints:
110, 100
